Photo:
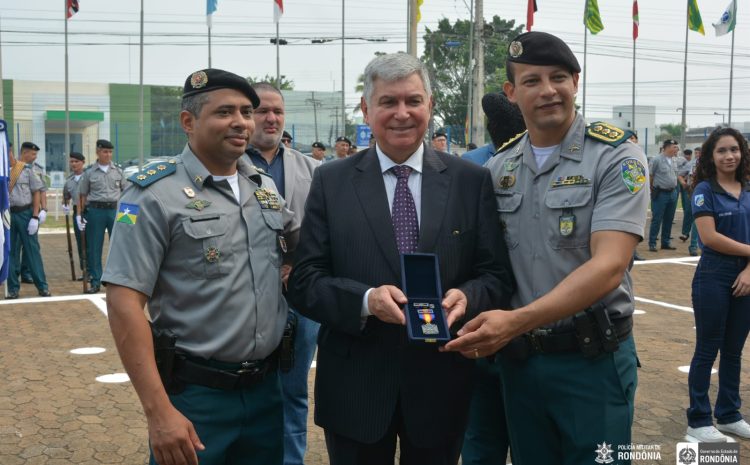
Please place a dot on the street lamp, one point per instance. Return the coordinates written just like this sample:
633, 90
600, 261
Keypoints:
722, 116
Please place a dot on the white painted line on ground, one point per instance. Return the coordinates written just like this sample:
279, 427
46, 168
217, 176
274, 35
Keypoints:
686, 264
113, 378
680, 260
99, 300
88, 351
686, 369
664, 304
639, 312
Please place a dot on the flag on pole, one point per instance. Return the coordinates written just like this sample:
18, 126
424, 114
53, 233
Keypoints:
210, 8
530, 10
591, 17
278, 10
419, 8
4, 202
635, 19
728, 20
695, 22
72, 7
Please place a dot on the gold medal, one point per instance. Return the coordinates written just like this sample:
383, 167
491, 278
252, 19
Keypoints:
212, 255
507, 182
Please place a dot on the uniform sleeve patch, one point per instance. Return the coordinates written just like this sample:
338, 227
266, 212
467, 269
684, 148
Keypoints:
699, 200
633, 174
127, 213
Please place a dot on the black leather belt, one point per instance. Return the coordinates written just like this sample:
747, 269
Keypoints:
244, 375
20, 209
547, 341
103, 205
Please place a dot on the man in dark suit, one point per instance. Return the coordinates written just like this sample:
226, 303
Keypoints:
400, 196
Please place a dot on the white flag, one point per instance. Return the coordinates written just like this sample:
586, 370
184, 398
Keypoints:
728, 20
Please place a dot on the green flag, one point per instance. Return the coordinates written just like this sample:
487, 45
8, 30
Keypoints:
591, 17
695, 23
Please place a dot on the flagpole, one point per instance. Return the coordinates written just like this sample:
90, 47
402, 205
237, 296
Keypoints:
585, 82
278, 63
343, 72
2, 101
66, 148
731, 79
209, 46
140, 147
632, 114
683, 126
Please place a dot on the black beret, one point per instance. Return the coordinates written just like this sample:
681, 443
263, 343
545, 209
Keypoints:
319, 145
344, 139
543, 49
437, 134
77, 156
286, 135
504, 117
210, 79
30, 146
669, 142
104, 144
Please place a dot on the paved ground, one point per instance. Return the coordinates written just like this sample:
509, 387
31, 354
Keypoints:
53, 410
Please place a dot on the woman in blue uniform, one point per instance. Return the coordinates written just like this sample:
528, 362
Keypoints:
721, 285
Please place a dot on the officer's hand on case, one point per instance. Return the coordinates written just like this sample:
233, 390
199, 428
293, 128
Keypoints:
81, 223
485, 334
42, 216
173, 438
33, 227
66, 209
454, 305
385, 303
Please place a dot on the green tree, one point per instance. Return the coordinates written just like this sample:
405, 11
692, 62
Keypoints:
167, 137
671, 131
286, 84
446, 55
360, 87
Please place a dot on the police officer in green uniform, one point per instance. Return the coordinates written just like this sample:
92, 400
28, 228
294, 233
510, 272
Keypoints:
99, 190
200, 239
70, 196
25, 206
572, 198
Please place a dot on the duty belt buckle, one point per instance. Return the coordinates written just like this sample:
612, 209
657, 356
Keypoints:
252, 368
534, 338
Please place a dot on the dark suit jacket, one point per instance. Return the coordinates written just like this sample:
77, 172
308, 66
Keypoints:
347, 246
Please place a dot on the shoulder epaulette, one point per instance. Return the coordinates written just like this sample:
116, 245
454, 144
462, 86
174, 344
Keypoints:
153, 172
607, 133
262, 171
511, 142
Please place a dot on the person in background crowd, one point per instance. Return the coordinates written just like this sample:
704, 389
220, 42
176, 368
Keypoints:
292, 173
663, 179
25, 204
98, 193
440, 141
286, 139
721, 285
471, 146
684, 166
573, 199
70, 197
342, 147
319, 151
504, 121
352, 150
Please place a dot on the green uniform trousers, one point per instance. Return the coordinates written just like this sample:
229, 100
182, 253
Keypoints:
560, 407
97, 221
241, 427
486, 439
19, 238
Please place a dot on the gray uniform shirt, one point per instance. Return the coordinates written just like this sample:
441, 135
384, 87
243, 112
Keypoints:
664, 172
212, 275
70, 189
28, 183
99, 186
549, 215
39, 171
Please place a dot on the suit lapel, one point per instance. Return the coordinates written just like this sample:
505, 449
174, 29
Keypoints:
289, 171
370, 190
435, 186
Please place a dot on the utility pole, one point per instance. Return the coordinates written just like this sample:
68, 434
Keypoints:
411, 42
343, 70
476, 130
470, 100
315, 103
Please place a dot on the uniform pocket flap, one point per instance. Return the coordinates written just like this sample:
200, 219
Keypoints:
203, 226
273, 219
568, 197
508, 202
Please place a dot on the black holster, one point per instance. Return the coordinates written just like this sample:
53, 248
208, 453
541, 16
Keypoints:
165, 352
595, 331
286, 348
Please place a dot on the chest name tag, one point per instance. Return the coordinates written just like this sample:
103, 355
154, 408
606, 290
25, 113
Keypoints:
567, 224
577, 180
267, 199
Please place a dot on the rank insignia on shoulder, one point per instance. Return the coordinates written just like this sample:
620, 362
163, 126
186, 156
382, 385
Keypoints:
198, 204
607, 133
633, 174
511, 142
577, 180
152, 173
267, 199
127, 213
506, 182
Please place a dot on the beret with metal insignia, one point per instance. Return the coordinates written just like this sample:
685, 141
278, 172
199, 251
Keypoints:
318, 145
543, 49
104, 144
210, 79
30, 146
437, 134
343, 139
77, 155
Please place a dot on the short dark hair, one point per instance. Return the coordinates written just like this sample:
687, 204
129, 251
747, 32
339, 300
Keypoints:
705, 167
194, 103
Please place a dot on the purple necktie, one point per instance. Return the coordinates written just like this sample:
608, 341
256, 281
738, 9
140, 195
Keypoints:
404, 212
